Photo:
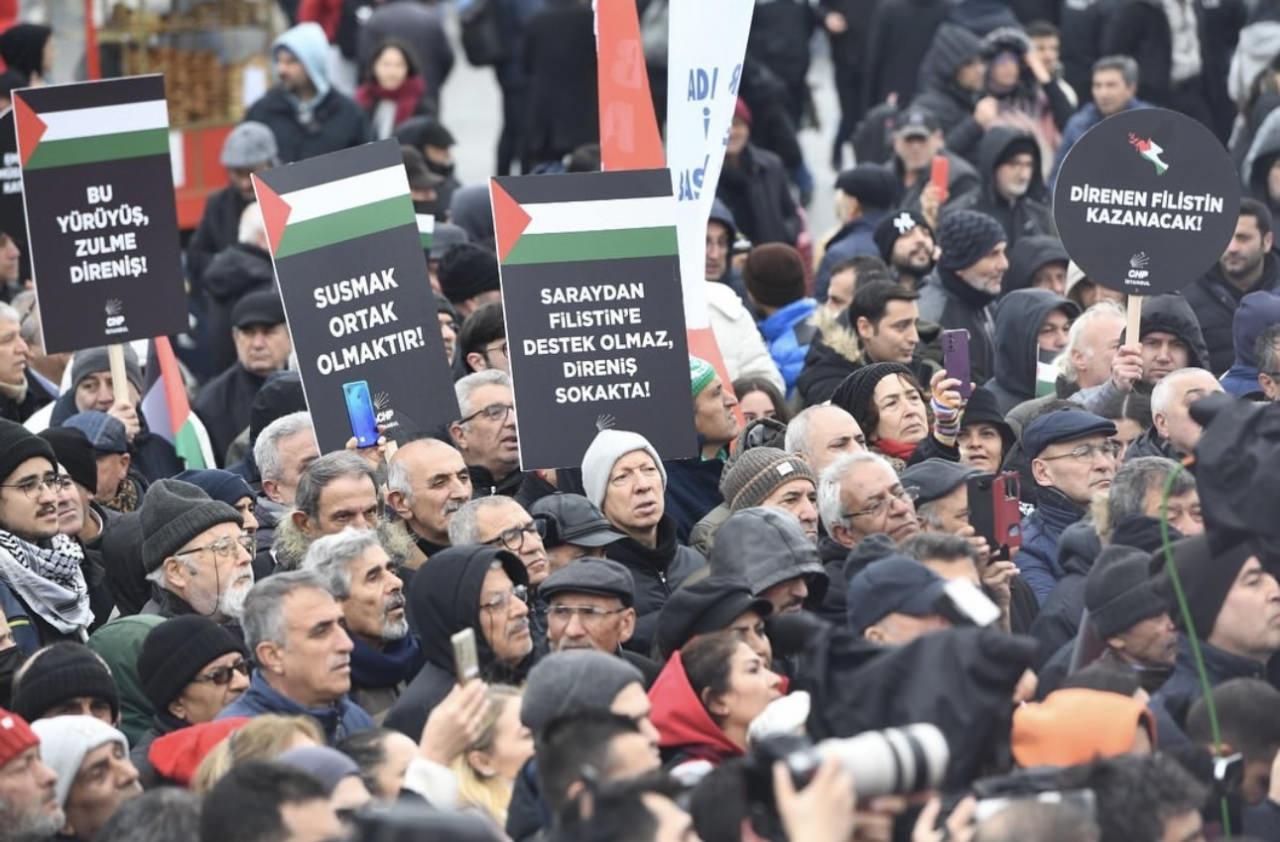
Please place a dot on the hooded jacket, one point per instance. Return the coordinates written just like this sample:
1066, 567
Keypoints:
686, 730
232, 273
444, 599
788, 334
657, 571
1059, 619
743, 349
1028, 256
328, 122
1037, 560
1025, 216
1214, 300
1018, 322
1256, 314
952, 304
953, 47
1261, 152
764, 554
338, 719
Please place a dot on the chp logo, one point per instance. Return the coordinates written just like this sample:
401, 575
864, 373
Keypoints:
1150, 150
115, 321
1138, 273
383, 412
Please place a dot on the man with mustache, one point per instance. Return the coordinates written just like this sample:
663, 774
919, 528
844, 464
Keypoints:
361, 576
29, 810
427, 482
591, 605
906, 243
293, 628
196, 554
503, 523
769, 548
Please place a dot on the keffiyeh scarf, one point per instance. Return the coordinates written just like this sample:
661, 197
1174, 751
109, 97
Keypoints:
49, 580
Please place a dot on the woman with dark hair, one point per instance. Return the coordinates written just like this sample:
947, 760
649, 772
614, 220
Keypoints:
890, 407
759, 398
707, 696
383, 756
394, 89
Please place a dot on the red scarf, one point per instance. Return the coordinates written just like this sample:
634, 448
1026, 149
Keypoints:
406, 97
897, 449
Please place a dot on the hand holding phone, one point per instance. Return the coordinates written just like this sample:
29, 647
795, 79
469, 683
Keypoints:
364, 421
955, 359
995, 513
940, 177
466, 660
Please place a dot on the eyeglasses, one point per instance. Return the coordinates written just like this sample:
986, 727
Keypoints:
513, 538
1085, 452
588, 614
34, 485
221, 676
500, 347
881, 506
495, 412
225, 548
499, 602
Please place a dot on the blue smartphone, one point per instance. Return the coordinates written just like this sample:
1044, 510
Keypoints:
364, 423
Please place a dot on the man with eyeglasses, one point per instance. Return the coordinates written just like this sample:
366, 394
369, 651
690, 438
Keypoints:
477, 587
502, 523
485, 434
1072, 458
190, 669
196, 554
483, 340
861, 495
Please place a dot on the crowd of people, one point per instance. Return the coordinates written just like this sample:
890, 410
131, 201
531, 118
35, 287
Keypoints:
1061, 570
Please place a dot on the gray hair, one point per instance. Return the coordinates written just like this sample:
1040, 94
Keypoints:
7, 312
1265, 348
263, 620
1075, 335
159, 815
266, 450
928, 514
941, 546
330, 557
1162, 396
797, 440
399, 477
1127, 66
324, 470
26, 306
465, 387
829, 505
1135, 480
464, 526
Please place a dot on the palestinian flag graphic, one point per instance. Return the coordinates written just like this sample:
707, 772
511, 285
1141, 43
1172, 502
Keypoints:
1148, 149
426, 229
629, 215
87, 124
303, 212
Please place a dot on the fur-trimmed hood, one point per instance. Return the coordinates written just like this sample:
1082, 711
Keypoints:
290, 543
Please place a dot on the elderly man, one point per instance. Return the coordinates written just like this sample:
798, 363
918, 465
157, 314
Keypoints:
766, 476
942, 494
293, 627
20, 393
95, 775
485, 435
283, 450
572, 528
360, 575
1092, 342
427, 483
821, 434
196, 554
1174, 433
693, 485
29, 808
1073, 457
623, 475
335, 491
504, 523
770, 548
895, 600
591, 605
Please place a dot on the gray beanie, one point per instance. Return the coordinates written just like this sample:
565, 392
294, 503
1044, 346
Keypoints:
755, 473
172, 513
94, 360
608, 447
580, 679
249, 145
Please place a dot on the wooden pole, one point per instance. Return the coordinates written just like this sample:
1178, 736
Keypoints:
119, 380
1133, 323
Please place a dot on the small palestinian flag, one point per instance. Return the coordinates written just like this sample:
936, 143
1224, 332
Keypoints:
165, 405
111, 120
1046, 373
302, 211
1150, 150
426, 229
611, 216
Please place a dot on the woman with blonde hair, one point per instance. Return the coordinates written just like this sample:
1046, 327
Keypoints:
264, 737
487, 770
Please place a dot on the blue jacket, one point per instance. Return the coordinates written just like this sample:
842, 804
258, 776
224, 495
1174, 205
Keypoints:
338, 720
1038, 559
854, 239
1241, 380
788, 336
1086, 118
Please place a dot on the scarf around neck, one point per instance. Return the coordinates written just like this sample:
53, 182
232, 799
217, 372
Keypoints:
49, 580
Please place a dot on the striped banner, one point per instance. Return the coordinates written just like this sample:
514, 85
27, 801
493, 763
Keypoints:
631, 215
92, 130
426, 229
301, 215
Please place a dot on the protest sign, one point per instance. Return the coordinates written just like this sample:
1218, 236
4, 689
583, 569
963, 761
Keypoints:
1146, 201
629, 138
102, 228
353, 279
13, 218
591, 295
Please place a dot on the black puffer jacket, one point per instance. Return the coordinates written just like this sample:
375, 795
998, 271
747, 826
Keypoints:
1214, 300
657, 571
339, 124
444, 599
1029, 256
1025, 216
1018, 321
953, 47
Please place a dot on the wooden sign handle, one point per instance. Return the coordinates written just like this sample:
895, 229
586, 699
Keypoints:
119, 380
1133, 324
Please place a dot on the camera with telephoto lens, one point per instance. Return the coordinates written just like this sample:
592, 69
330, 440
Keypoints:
903, 760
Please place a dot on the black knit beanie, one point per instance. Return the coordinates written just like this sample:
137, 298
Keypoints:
895, 225
176, 651
466, 270
59, 673
774, 274
17, 445
966, 236
855, 392
1206, 576
174, 512
75, 453
1119, 592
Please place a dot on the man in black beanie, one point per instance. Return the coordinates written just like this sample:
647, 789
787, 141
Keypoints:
1132, 619
197, 558
469, 277
66, 679
1234, 606
906, 243
959, 294
863, 196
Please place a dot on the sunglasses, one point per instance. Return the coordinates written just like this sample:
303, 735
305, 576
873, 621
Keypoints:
221, 676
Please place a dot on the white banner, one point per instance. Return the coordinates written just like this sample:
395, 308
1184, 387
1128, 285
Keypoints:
705, 45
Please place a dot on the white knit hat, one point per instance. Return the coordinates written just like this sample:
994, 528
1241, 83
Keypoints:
65, 740
608, 447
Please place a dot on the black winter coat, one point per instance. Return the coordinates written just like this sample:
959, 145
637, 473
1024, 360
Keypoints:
36, 397
560, 58
758, 194
223, 405
900, 33
219, 228
953, 305
339, 124
1214, 300
1025, 216
657, 573
1140, 28
1059, 617
233, 273
952, 106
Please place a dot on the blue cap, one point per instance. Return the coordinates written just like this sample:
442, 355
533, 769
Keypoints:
893, 585
218, 484
105, 432
1067, 425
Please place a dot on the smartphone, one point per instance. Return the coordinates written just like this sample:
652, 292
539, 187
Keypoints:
994, 511
955, 359
940, 177
966, 604
364, 423
466, 661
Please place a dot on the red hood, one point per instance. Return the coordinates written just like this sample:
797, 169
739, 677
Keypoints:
176, 756
680, 718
